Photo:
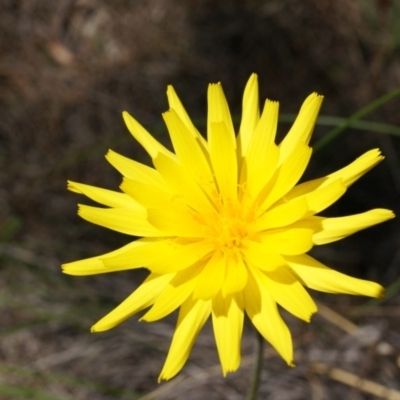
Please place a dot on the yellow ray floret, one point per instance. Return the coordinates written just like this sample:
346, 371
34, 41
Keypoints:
250, 114
224, 227
227, 318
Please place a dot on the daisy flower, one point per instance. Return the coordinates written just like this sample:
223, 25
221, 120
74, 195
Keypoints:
225, 226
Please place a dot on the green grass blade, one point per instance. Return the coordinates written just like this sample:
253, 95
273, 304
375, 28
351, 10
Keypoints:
362, 125
349, 122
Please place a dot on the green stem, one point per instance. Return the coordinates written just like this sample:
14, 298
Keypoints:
355, 117
255, 380
362, 124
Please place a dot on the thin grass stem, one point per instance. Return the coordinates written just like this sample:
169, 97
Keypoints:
255, 379
355, 117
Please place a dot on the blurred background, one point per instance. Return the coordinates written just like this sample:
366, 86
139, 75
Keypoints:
68, 69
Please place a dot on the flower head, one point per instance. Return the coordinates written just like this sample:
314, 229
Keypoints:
225, 225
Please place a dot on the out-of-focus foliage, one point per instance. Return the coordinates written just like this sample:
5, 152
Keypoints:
67, 70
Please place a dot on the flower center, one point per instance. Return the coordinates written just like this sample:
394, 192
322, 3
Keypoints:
230, 232
228, 226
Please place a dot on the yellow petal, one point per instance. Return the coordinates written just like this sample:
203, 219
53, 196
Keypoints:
176, 221
175, 199
95, 265
260, 256
319, 196
151, 145
190, 154
211, 278
289, 293
176, 292
177, 106
262, 173
103, 196
184, 256
88, 266
288, 241
338, 228
218, 109
236, 275
227, 317
264, 132
144, 253
134, 170
250, 113
159, 256
289, 174
303, 126
262, 155
224, 160
281, 215
183, 186
141, 298
192, 316
314, 223
263, 313
147, 195
305, 188
322, 198
319, 277
349, 174
357, 168
124, 220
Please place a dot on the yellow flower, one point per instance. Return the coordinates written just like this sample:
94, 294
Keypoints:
225, 227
